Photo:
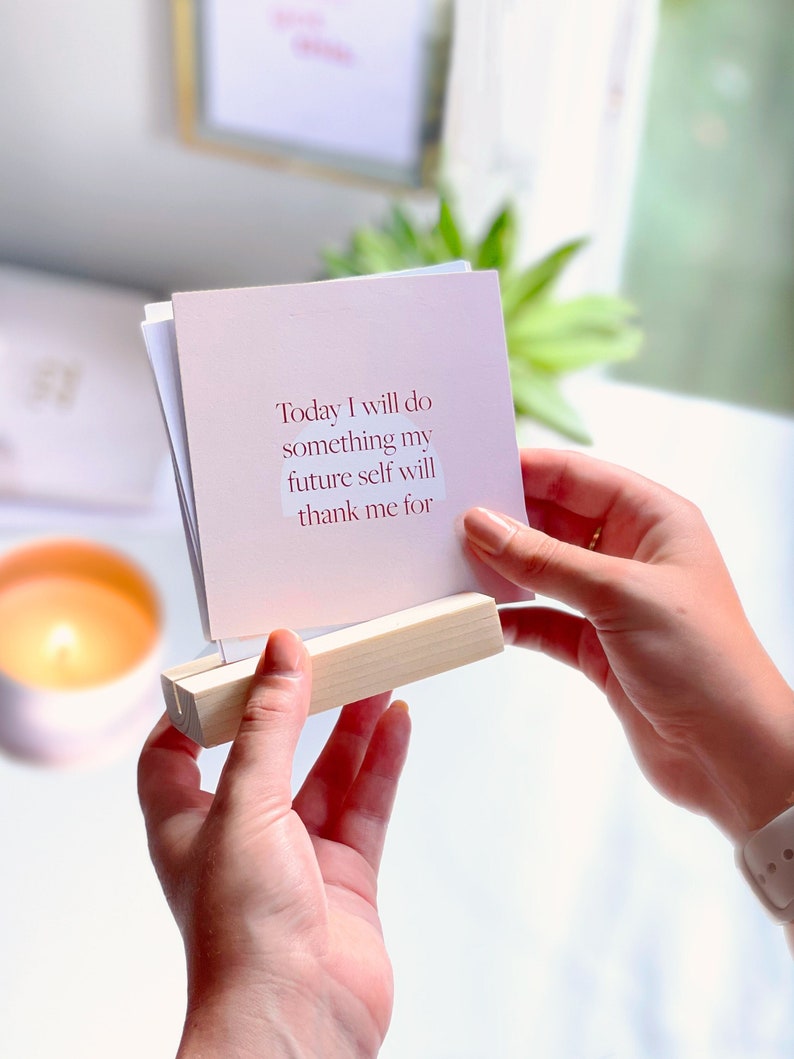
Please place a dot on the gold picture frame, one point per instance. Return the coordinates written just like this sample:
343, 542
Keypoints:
206, 73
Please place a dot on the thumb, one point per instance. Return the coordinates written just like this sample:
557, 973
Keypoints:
531, 559
258, 770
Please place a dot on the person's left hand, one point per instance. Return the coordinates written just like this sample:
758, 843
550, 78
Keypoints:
275, 898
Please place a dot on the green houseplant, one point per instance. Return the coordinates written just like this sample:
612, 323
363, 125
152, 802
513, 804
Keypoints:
546, 337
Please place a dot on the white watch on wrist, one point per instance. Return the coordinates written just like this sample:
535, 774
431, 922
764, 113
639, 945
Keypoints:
767, 863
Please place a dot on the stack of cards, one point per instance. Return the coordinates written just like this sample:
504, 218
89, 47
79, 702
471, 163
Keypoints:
327, 438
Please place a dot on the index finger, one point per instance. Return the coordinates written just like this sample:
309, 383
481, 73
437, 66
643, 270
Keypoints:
331, 777
570, 496
169, 780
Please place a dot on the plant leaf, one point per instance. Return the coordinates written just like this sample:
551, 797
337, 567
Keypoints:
538, 278
574, 352
537, 394
338, 264
376, 252
433, 247
404, 234
566, 336
497, 248
601, 314
449, 230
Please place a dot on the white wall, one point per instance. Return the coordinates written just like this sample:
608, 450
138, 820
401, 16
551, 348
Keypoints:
93, 180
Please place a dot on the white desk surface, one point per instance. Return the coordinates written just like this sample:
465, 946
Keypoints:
539, 899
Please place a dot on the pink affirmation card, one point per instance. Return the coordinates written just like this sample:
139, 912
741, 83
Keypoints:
336, 433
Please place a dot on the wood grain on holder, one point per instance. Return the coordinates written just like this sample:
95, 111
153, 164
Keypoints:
206, 698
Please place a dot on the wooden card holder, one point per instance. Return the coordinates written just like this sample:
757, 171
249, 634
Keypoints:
205, 698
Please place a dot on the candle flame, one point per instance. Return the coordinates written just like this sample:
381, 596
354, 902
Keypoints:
61, 642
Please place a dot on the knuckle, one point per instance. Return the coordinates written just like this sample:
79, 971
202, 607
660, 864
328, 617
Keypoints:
624, 596
271, 698
539, 557
687, 515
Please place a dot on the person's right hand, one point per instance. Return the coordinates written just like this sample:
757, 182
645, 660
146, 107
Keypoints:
660, 629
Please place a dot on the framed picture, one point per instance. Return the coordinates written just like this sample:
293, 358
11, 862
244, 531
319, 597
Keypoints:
352, 88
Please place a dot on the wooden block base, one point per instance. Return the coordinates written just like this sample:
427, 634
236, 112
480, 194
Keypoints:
205, 698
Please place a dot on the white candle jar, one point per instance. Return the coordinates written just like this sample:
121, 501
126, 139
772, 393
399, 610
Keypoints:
79, 649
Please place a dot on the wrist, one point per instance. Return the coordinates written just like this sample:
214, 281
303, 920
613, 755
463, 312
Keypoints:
254, 1017
754, 767
224, 1026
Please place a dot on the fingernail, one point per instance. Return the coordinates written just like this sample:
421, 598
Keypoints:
489, 531
400, 704
282, 654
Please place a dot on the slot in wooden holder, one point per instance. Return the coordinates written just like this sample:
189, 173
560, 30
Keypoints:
205, 698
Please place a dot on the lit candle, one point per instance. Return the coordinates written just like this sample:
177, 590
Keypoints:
79, 638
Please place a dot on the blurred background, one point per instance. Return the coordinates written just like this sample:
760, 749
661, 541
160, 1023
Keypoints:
713, 214
97, 183
551, 106
627, 165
